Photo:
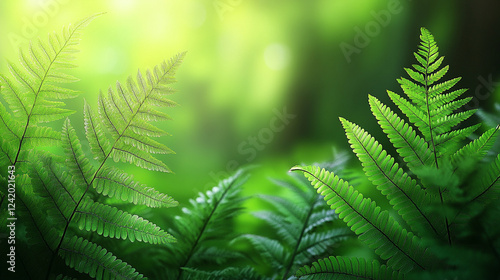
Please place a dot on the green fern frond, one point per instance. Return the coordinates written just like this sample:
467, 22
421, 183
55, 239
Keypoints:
125, 113
270, 250
67, 204
452, 213
404, 194
60, 194
206, 221
112, 182
229, 273
40, 231
300, 221
476, 149
490, 119
110, 222
344, 268
92, 259
99, 144
487, 183
32, 91
77, 162
401, 249
432, 108
413, 149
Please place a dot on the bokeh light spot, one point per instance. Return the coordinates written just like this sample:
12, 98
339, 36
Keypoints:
276, 56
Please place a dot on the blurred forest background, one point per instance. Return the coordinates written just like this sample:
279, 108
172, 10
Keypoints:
264, 82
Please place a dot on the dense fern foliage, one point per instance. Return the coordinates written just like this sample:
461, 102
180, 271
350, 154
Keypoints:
204, 232
304, 225
60, 200
33, 94
442, 191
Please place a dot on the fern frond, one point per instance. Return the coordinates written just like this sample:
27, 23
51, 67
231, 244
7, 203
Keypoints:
413, 149
344, 268
229, 273
404, 194
402, 249
31, 91
432, 108
55, 186
487, 182
110, 222
490, 119
112, 182
92, 259
207, 220
40, 231
99, 144
125, 113
270, 250
476, 149
303, 224
76, 160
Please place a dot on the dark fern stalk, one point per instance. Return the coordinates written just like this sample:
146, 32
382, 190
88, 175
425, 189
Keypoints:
439, 195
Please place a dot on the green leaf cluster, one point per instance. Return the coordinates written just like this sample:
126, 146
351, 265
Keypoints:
305, 227
207, 229
440, 189
61, 200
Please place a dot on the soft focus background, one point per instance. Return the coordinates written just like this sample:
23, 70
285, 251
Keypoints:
263, 82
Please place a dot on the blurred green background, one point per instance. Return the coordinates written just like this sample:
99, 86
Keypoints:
263, 82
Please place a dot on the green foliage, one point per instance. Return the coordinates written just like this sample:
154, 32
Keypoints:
304, 225
334, 268
443, 222
32, 94
60, 198
204, 232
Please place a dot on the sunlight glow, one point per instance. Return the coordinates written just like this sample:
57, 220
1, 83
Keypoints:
276, 56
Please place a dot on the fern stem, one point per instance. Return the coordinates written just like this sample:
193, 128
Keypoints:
292, 257
448, 233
